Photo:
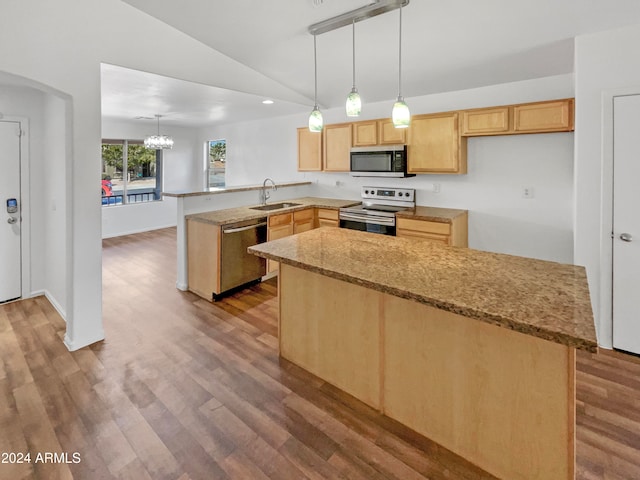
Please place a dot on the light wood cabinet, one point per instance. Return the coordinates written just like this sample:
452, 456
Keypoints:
543, 117
538, 117
365, 134
279, 226
337, 147
285, 224
327, 217
309, 150
203, 258
303, 220
435, 145
453, 234
377, 132
390, 135
486, 121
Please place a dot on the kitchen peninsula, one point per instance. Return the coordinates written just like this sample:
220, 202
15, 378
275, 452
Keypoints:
474, 350
216, 198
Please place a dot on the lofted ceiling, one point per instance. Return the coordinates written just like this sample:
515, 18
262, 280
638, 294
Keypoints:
447, 45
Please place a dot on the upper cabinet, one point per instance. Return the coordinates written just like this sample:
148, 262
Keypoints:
337, 147
538, 117
377, 132
543, 117
435, 144
309, 150
486, 121
365, 134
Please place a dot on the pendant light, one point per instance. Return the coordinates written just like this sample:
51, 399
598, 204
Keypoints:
158, 142
400, 114
315, 118
354, 104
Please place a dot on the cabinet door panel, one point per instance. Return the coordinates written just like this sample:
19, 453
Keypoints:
303, 226
544, 117
365, 134
433, 237
337, 147
282, 219
309, 150
485, 121
203, 258
390, 135
435, 145
274, 233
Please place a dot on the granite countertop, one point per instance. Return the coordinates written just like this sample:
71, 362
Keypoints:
545, 299
432, 214
239, 214
219, 190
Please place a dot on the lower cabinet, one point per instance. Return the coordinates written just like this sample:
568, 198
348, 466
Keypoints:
203, 258
327, 217
453, 234
303, 220
279, 226
286, 224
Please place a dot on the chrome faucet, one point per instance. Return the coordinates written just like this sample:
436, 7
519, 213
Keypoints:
264, 195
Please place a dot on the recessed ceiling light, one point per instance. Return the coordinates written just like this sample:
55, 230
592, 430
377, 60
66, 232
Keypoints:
267, 102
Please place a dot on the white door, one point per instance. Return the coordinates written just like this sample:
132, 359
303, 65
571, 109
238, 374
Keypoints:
10, 223
626, 223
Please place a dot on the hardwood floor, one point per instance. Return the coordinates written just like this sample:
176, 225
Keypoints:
185, 389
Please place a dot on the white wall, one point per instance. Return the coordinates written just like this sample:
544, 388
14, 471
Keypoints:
498, 168
182, 171
29, 103
60, 46
55, 199
606, 64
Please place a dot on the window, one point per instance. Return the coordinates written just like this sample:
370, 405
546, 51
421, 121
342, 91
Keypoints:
216, 161
131, 173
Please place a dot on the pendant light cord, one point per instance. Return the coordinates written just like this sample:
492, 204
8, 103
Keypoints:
400, 56
315, 72
353, 43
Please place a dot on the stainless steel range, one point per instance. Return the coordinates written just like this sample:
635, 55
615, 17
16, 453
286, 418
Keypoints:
377, 212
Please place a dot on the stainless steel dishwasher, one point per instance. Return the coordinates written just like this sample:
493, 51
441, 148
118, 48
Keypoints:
237, 265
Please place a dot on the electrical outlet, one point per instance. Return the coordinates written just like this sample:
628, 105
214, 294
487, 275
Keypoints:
527, 192
436, 188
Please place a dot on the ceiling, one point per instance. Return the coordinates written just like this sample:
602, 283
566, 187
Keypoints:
452, 45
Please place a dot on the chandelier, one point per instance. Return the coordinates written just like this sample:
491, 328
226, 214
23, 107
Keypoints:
158, 142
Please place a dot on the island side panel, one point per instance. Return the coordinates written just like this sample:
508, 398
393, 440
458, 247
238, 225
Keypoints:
499, 398
332, 329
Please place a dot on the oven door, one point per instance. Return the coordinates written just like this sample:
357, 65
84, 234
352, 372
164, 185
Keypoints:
364, 223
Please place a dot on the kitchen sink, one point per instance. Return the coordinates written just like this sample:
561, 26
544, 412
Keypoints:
275, 206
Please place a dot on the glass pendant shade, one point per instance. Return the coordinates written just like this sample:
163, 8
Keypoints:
400, 114
354, 104
315, 120
315, 117
158, 142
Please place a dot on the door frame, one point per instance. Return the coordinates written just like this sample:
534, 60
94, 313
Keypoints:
605, 314
25, 203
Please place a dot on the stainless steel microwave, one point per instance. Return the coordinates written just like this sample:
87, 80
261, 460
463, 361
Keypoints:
379, 161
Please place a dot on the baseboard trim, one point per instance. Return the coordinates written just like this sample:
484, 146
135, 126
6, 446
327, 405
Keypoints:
73, 345
52, 300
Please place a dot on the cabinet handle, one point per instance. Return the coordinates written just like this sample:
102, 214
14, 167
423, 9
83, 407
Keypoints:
626, 237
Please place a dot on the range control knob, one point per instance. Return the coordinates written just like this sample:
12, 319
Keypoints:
366, 191
406, 194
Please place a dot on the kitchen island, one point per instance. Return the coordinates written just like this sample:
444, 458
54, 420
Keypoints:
472, 349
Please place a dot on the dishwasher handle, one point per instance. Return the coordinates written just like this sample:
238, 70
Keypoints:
242, 229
